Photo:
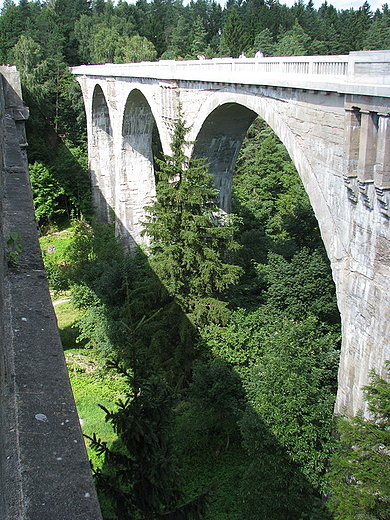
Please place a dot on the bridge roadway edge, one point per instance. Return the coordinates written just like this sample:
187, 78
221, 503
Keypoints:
44, 469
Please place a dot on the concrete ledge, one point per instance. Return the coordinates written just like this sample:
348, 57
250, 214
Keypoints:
44, 469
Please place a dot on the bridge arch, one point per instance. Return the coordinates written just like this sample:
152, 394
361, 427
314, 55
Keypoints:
218, 133
101, 163
136, 170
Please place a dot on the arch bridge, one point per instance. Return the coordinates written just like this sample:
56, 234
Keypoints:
332, 113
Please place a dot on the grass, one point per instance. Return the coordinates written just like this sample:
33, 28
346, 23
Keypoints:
91, 384
53, 246
66, 317
92, 387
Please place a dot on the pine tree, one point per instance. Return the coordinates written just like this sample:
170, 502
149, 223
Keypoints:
235, 38
198, 38
190, 239
179, 40
378, 35
141, 474
264, 42
294, 42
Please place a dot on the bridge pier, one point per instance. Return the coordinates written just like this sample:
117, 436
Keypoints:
382, 166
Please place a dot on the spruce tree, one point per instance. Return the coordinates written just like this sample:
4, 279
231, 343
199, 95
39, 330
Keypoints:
235, 38
191, 240
141, 475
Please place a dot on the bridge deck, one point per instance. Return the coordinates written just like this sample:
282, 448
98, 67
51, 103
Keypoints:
362, 73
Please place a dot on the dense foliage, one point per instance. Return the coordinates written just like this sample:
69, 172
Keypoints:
228, 331
361, 463
44, 38
141, 474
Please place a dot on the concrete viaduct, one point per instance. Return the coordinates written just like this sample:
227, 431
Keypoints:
333, 115
331, 112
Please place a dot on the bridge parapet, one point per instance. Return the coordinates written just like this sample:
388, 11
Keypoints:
44, 469
364, 73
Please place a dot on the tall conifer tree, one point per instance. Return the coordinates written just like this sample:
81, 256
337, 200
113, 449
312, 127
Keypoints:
191, 239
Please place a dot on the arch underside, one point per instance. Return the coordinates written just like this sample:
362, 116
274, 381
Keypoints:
102, 157
219, 141
136, 178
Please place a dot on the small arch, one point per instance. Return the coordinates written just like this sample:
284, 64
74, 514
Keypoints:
102, 157
100, 114
137, 181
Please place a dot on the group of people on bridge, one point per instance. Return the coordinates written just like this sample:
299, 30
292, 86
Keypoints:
259, 54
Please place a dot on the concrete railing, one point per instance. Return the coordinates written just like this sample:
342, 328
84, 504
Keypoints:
366, 73
44, 469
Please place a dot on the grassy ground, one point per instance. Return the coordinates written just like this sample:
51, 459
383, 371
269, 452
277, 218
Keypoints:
53, 246
91, 384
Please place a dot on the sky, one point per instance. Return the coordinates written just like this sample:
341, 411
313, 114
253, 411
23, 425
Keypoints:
342, 4
338, 4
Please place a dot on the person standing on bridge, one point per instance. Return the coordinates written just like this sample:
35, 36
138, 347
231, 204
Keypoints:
259, 54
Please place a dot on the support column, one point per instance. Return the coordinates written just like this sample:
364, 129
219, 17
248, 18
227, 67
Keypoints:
367, 146
382, 166
367, 155
352, 140
169, 96
352, 126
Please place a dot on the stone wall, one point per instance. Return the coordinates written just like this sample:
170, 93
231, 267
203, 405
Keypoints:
44, 469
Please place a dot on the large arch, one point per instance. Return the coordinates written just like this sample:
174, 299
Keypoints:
102, 157
221, 130
218, 133
136, 176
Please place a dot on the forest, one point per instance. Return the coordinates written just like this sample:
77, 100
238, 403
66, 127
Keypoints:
225, 332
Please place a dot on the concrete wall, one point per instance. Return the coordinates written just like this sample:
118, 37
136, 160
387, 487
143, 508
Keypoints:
44, 469
2, 269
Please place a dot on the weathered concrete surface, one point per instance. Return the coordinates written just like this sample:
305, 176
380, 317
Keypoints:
333, 115
2, 259
44, 469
